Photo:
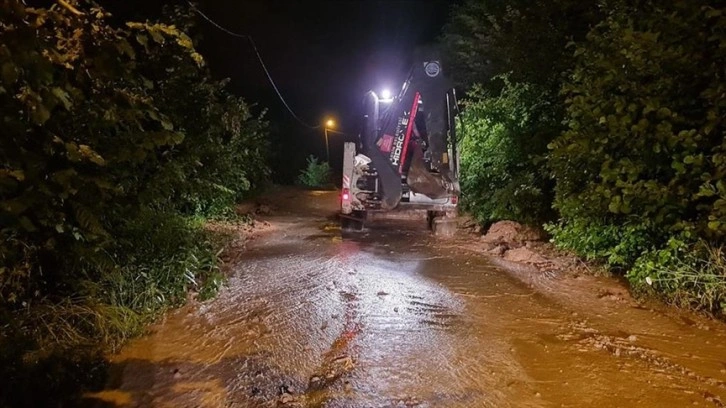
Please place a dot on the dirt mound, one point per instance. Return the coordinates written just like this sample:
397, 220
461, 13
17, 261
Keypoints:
524, 255
466, 222
520, 244
508, 232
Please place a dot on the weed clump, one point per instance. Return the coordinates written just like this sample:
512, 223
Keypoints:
315, 174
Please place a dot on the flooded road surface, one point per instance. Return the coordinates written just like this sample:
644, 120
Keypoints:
393, 317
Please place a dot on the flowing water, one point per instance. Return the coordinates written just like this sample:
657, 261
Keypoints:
393, 317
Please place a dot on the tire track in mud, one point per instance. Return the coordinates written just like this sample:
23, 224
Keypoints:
408, 324
305, 288
332, 383
342, 357
329, 379
320, 284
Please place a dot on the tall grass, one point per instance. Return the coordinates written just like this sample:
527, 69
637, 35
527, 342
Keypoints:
689, 276
159, 259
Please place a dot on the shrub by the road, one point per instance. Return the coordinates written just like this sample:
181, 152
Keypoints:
510, 58
315, 173
503, 146
115, 143
644, 155
640, 165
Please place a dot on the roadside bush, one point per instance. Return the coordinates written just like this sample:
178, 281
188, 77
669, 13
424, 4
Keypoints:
618, 246
516, 54
315, 174
224, 154
639, 169
502, 149
644, 157
115, 143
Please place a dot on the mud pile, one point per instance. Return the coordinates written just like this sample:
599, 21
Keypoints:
522, 244
511, 232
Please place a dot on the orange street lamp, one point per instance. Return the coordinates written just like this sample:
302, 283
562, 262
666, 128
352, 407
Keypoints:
329, 124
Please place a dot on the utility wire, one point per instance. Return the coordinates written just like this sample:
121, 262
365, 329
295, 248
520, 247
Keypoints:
259, 58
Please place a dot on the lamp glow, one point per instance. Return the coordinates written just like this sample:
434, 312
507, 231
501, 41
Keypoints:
386, 94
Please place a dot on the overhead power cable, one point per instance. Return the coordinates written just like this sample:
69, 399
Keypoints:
259, 58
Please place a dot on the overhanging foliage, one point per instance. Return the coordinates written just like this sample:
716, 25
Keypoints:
115, 140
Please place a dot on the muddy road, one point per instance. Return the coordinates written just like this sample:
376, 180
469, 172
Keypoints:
393, 317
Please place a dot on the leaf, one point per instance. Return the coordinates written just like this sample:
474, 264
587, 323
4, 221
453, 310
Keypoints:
143, 40
664, 112
712, 12
63, 97
39, 114
15, 206
125, 48
614, 206
27, 225
156, 36
8, 73
706, 190
88, 220
74, 153
166, 124
18, 175
678, 167
65, 179
721, 187
91, 155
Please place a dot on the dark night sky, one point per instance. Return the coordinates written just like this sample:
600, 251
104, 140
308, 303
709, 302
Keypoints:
323, 55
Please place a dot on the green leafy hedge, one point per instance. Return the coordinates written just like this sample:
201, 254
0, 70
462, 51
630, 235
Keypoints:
115, 140
503, 146
645, 150
510, 57
639, 169
646, 133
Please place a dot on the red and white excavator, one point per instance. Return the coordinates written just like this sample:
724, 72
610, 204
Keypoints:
406, 157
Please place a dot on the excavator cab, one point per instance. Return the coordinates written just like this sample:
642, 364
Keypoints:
406, 158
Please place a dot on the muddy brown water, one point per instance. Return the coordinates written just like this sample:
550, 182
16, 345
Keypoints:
392, 317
